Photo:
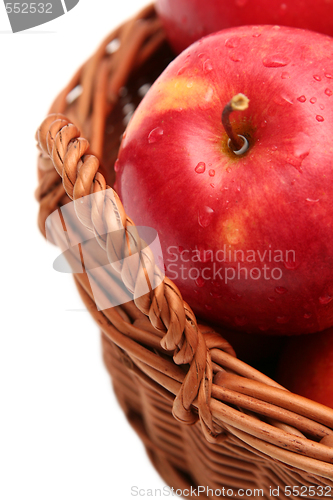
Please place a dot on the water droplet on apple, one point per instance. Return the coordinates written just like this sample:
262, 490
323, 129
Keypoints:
209, 94
329, 76
280, 290
200, 168
307, 316
200, 282
329, 92
189, 84
236, 57
291, 264
207, 66
205, 216
155, 135
116, 165
310, 200
325, 299
282, 320
233, 42
241, 320
271, 299
282, 100
302, 150
274, 148
215, 295
212, 185
320, 118
276, 61
228, 169
211, 172
301, 98
287, 98
321, 106
285, 75
208, 307
295, 162
313, 100
256, 33
317, 77
181, 70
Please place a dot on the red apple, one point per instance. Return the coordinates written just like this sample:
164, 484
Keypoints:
247, 238
306, 366
185, 21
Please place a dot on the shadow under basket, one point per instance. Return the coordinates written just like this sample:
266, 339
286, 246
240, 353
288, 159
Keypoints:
205, 417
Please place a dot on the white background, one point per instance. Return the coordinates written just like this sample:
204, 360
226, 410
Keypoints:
62, 433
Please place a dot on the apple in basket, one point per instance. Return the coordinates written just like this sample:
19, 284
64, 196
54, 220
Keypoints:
230, 158
185, 21
306, 366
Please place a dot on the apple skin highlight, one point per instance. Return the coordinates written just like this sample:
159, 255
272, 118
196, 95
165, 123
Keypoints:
185, 21
274, 203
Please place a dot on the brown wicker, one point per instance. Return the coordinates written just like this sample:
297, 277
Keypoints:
205, 417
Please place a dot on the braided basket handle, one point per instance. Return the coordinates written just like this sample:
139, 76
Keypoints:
60, 141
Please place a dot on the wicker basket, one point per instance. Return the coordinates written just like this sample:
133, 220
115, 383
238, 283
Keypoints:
205, 417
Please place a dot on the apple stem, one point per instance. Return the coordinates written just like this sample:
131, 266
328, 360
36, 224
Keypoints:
237, 143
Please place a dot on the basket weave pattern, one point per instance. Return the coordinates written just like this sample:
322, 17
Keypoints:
205, 417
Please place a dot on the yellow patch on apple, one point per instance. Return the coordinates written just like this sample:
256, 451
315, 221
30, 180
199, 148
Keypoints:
233, 232
178, 93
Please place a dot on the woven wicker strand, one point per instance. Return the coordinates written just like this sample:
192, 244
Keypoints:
245, 431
